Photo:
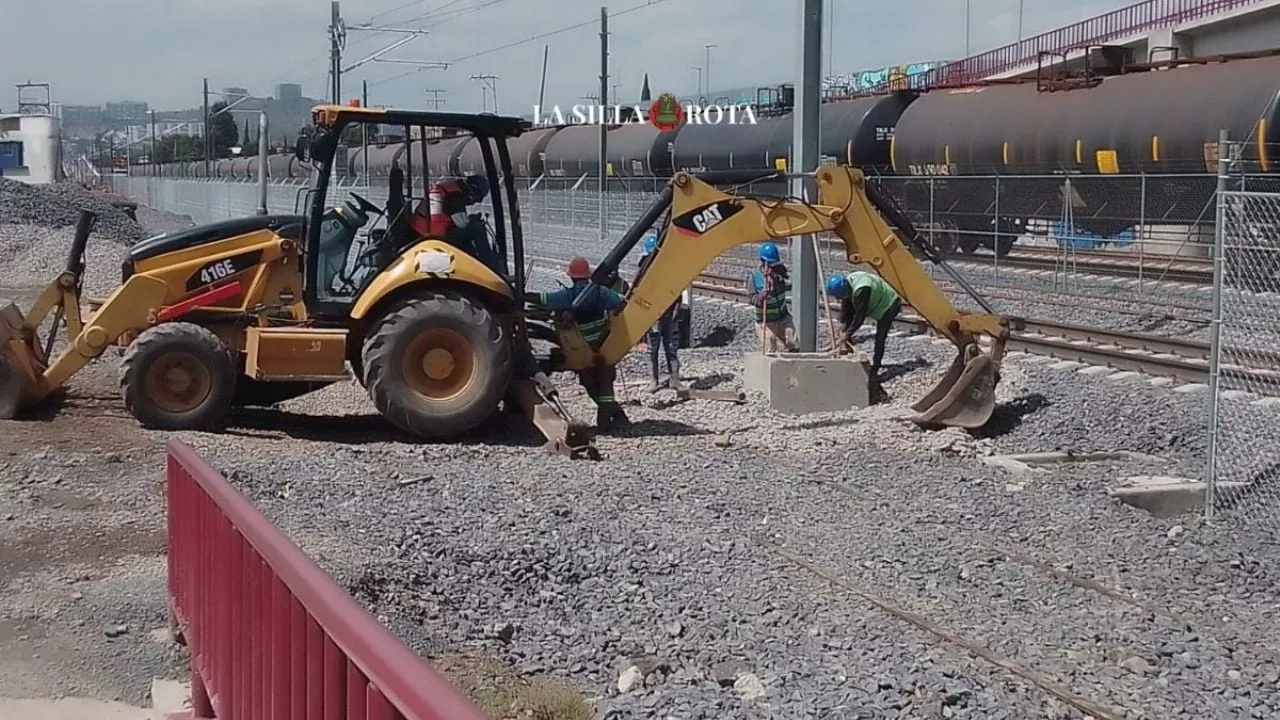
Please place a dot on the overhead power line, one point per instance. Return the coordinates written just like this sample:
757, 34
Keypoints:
532, 38
438, 15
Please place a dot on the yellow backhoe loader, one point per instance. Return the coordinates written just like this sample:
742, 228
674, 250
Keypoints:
256, 310
703, 222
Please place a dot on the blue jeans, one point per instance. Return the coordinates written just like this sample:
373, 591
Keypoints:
664, 333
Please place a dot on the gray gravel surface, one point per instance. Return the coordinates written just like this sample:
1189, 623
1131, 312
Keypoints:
660, 558
83, 608
671, 566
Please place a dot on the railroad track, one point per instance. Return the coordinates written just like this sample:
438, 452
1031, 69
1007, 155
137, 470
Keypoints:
1154, 268
1180, 360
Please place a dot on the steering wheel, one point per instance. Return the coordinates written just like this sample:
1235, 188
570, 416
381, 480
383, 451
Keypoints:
365, 205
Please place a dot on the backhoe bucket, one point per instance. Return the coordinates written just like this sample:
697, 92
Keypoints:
17, 363
965, 397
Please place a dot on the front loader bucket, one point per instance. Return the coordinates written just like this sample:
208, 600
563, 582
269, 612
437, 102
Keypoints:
17, 363
965, 397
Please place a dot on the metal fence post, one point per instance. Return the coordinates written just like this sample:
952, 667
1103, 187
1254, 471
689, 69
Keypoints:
995, 235
1215, 326
1142, 221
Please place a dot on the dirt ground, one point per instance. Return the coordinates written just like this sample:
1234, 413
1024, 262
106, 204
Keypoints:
82, 564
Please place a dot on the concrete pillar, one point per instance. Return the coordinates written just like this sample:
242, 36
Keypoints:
1165, 44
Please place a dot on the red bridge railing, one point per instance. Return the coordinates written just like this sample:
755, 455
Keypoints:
270, 634
1102, 29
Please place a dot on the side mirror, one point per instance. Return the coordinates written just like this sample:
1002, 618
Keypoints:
300, 148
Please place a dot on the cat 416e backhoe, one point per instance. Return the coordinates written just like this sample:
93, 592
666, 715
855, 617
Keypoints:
257, 310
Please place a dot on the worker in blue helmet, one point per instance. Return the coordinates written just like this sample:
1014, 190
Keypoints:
865, 295
767, 288
664, 332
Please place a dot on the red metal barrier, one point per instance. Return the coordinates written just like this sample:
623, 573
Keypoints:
271, 635
1108, 27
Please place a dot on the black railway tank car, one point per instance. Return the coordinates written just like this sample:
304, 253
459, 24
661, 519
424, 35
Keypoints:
527, 153
639, 152
1162, 123
744, 146
857, 132
572, 153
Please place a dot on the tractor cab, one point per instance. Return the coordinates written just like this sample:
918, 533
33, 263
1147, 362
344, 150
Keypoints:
358, 227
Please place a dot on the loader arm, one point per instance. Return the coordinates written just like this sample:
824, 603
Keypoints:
843, 207
706, 222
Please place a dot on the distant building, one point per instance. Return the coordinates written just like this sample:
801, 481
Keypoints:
83, 115
127, 112
232, 94
288, 91
31, 148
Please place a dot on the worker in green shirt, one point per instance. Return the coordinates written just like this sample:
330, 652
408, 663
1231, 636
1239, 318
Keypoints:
865, 295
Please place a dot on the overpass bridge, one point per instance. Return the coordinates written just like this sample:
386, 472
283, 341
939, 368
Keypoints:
1150, 30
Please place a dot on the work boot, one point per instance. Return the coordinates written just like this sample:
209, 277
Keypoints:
653, 386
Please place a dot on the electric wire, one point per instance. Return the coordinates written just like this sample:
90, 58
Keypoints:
531, 38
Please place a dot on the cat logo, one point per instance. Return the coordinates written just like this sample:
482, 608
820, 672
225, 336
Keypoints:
700, 220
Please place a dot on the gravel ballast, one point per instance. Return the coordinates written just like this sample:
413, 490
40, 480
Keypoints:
656, 569
726, 562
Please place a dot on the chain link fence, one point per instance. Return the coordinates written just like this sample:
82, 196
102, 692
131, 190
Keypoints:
1243, 467
1031, 245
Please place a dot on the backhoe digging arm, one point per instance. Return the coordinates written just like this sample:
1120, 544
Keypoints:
706, 222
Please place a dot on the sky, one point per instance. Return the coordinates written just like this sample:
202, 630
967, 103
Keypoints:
158, 51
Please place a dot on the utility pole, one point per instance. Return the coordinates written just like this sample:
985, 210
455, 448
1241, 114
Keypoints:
364, 131
337, 42
542, 87
152, 154
699, 69
968, 6
1020, 2
490, 82
805, 160
207, 142
707, 73
604, 129
436, 101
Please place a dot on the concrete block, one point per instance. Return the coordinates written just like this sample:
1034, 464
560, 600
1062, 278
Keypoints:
1124, 375
802, 383
1094, 370
1166, 496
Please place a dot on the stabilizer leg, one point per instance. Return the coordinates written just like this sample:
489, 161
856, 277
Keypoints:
553, 421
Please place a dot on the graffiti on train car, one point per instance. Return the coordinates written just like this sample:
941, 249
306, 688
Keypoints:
897, 77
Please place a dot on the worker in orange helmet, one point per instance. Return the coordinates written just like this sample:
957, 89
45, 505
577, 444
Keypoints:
592, 317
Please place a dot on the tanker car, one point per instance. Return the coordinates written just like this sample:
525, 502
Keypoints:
939, 152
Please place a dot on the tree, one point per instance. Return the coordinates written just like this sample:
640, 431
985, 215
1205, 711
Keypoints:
222, 128
179, 148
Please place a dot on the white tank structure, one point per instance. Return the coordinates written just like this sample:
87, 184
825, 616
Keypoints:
31, 148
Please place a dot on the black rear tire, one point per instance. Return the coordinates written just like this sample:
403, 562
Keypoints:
437, 365
178, 376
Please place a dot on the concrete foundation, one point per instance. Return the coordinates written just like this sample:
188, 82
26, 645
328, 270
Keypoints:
803, 383
1165, 496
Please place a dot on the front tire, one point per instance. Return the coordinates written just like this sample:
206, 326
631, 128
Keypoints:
178, 376
437, 365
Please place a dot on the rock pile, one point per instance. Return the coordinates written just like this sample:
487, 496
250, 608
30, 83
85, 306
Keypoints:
58, 206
